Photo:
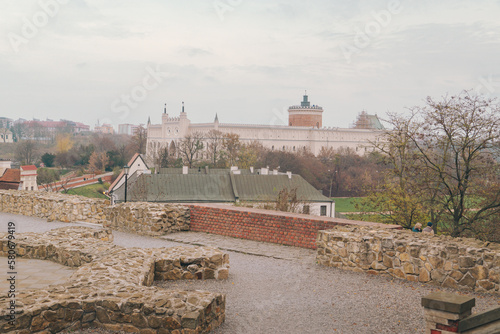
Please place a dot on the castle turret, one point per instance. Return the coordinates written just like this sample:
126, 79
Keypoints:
305, 114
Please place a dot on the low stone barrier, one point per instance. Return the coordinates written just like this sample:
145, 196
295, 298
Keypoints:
147, 218
112, 286
449, 313
458, 263
52, 206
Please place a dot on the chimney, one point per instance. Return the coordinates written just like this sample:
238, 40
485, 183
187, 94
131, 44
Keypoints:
185, 169
233, 168
275, 172
264, 171
289, 175
251, 170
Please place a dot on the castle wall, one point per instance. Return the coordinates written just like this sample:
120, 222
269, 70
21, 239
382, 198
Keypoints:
278, 138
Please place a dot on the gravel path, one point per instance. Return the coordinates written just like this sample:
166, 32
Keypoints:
274, 295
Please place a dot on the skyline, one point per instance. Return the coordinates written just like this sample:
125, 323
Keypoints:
119, 62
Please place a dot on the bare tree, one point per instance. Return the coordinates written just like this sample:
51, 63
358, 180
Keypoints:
190, 146
139, 139
215, 141
27, 151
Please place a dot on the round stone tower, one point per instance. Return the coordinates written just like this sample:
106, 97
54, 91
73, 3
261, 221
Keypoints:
305, 114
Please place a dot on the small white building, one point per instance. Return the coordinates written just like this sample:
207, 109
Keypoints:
28, 178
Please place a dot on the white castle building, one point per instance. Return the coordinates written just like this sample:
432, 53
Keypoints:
304, 131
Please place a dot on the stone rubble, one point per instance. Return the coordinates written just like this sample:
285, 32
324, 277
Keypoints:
112, 287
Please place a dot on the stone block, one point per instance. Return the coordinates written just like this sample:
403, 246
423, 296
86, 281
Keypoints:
468, 281
190, 320
448, 302
479, 272
424, 276
466, 262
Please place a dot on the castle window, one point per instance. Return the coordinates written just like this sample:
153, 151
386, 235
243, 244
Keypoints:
283, 147
272, 148
294, 148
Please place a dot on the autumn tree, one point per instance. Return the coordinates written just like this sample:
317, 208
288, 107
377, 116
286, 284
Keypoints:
446, 161
250, 154
98, 161
232, 145
190, 146
64, 142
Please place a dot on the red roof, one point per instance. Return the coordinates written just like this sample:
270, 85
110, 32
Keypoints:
11, 175
29, 167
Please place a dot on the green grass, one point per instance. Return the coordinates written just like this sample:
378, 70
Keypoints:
89, 191
346, 204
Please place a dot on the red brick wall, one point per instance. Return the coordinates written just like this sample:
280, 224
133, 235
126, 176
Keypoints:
262, 225
305, 120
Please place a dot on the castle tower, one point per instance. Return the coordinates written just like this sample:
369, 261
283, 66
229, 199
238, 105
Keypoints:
305, 114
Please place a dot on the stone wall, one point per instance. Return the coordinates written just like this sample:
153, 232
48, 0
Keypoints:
136, 217
458, 263
264, 225
112, 287
52, 206
147, 218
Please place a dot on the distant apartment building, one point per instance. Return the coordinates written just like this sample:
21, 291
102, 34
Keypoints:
43, 130
128, 129
6, 122
125, 129
105, 128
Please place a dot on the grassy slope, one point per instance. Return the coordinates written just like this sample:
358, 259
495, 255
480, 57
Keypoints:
346, 204
88, 191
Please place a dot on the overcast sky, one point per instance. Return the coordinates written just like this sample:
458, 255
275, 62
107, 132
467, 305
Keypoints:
120, 61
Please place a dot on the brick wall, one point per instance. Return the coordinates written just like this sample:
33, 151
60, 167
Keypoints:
263, 225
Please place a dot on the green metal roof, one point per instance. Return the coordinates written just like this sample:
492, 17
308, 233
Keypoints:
266, 187
217, 187
179, 188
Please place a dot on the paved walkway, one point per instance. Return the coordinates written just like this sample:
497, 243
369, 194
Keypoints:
32, 274
249, 247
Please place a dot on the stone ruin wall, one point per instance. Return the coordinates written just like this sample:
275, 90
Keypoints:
135, 217
458, 263
147, 218
52, 206
112, 287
